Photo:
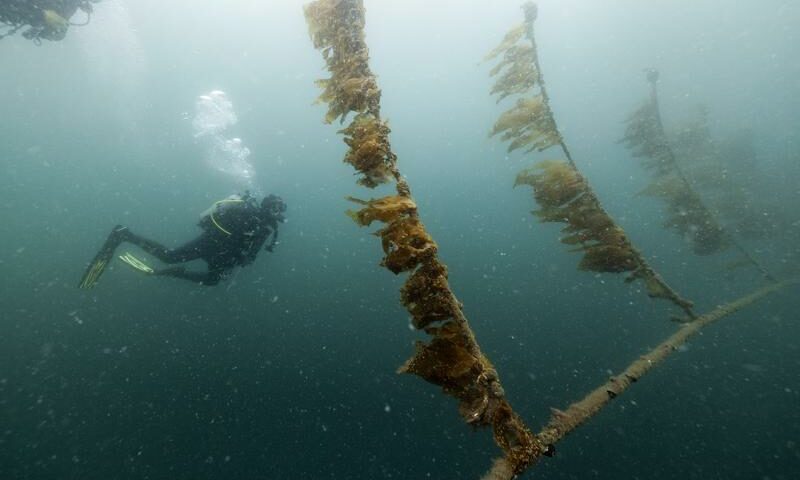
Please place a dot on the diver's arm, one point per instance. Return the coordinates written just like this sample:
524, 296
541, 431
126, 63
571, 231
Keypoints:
274, 241
270, 229
258, 240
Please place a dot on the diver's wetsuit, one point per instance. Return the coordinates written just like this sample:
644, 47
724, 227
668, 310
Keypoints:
239, 245
234, 230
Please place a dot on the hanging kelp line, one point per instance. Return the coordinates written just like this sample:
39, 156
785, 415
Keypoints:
451, 358
687, 213
562, 193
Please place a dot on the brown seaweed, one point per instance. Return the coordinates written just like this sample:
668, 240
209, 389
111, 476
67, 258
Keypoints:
528, 124
404, 239
370, 153
453, 361
563, 195
680, 185
517, 73
451, 358
644, 138
726, 172
511, 38
352, 86
687, 215
686, 212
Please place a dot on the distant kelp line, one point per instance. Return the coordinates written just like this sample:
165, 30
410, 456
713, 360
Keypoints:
563, 194
687, 212
452, 358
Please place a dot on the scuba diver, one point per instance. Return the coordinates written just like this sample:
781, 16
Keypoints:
48, 19
234, 230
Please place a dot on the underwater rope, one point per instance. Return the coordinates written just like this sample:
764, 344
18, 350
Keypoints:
563, 422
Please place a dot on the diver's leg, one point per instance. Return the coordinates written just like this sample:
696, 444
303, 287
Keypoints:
218, 269
187, 252
209, 278
98, 264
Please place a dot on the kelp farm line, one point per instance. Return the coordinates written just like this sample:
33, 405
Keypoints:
688, 213
452, 358
563, 194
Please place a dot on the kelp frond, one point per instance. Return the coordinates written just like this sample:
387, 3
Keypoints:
370, 153
516, 71
352, 86
519, 73
645, 139
687, 215
427, 297
384, 209
404, 239
528, 124
656, 287
726, 171
321, 19
565, 197
509, 40
451, 360
555, 182
562, 193
406, 244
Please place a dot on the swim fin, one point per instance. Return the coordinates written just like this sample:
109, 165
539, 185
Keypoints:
135, 263
100, 261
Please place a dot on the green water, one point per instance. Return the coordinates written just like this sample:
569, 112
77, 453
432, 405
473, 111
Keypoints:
287, 370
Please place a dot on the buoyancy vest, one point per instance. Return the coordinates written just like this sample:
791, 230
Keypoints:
233, 216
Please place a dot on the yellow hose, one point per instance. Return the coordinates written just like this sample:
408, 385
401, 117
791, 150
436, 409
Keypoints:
214, 220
